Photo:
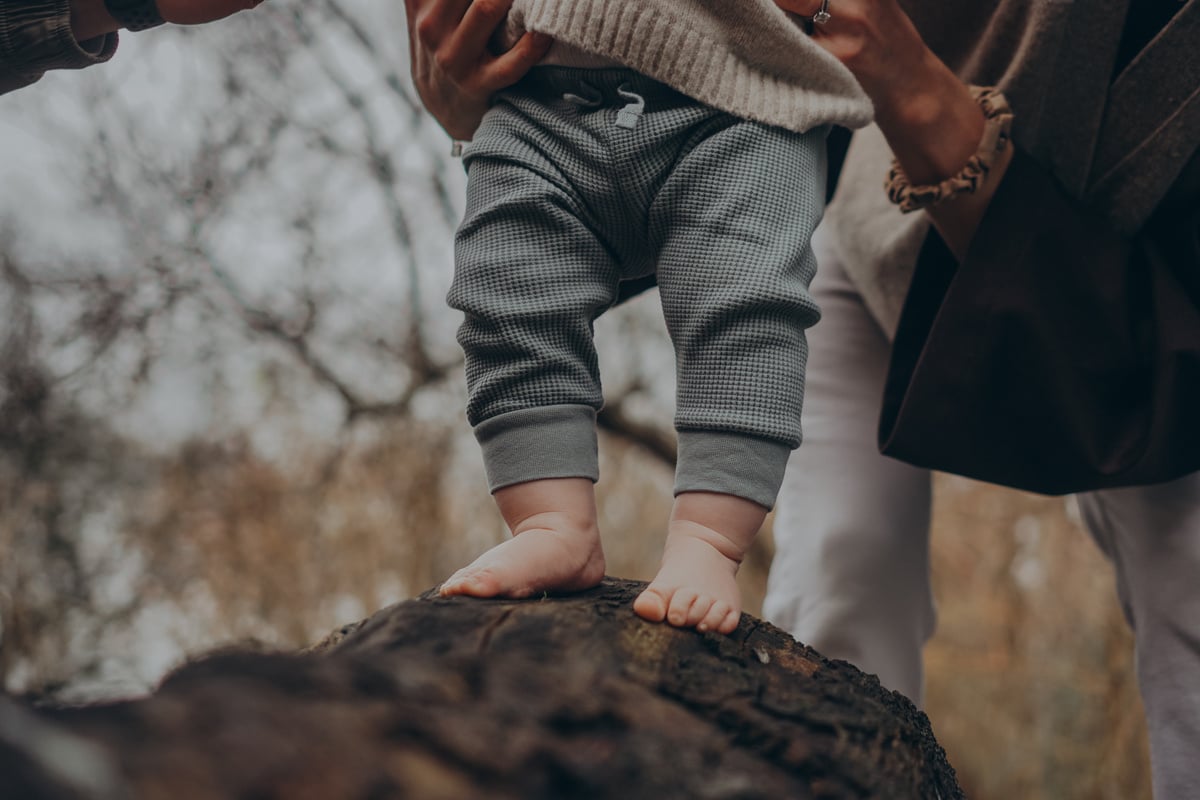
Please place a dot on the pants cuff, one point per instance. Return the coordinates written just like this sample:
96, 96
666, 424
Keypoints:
731, 463
536, 443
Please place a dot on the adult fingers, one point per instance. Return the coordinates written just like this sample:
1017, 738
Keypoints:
802, 8
505, 70
842, 32
434, 21
465, 49
197, 12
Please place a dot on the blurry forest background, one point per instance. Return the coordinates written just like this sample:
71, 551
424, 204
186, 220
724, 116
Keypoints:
230, 402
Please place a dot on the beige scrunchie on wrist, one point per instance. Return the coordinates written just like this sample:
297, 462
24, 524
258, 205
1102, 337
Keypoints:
996, 137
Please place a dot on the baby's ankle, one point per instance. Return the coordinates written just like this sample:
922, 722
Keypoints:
555, 544
726, 522
566, 523
685, 534
563, 505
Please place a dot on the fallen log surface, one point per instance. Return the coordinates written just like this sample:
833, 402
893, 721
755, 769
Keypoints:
457, 699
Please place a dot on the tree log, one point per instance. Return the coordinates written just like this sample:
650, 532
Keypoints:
458, 699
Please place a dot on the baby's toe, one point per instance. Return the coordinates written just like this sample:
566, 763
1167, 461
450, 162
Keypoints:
715, 616
681, 604
699, 610
452, 585
650, 605
481, 582
730, 621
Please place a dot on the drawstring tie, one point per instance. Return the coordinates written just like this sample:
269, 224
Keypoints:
593, 99
590, 97
629, 116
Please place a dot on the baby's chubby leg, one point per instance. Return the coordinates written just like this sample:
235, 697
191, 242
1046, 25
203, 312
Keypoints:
707, 537
555, 545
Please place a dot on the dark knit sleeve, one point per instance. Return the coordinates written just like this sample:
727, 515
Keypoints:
36, 36
1061, 355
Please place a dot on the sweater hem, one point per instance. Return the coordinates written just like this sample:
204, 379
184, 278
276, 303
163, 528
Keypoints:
670, 49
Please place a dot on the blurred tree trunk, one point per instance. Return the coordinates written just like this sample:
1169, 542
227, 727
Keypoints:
457, 699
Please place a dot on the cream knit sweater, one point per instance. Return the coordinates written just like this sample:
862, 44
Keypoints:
747, 57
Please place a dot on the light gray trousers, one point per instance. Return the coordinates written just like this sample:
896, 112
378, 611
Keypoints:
851, 574
578, 179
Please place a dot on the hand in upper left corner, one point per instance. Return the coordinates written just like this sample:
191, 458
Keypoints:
198, 12
92, 18
453, 69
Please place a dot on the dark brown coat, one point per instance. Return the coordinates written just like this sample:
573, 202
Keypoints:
1064, 353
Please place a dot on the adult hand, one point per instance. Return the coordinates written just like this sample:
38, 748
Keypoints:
926, 112
197, 12
90, 18
877, 42
454, 71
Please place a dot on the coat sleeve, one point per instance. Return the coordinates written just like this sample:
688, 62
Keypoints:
36, 36
1061, 355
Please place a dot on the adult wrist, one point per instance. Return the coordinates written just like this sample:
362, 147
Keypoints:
935, 130
463, 121
994, 143
458, 117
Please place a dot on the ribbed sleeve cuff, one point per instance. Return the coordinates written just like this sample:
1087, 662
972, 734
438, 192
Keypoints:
731, 463
537, 443
36, 36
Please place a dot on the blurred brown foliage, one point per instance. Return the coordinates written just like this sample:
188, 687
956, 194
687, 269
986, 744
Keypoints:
1030, 679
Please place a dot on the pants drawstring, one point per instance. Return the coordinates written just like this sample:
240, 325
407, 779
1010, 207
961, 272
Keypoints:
593, 99
629, 116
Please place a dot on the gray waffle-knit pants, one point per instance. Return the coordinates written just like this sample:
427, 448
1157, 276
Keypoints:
579, 179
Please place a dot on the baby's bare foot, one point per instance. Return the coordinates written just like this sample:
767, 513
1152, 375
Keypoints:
538, 559
696, 586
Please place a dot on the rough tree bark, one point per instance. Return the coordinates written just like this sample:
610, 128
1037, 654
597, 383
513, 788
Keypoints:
458, 699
